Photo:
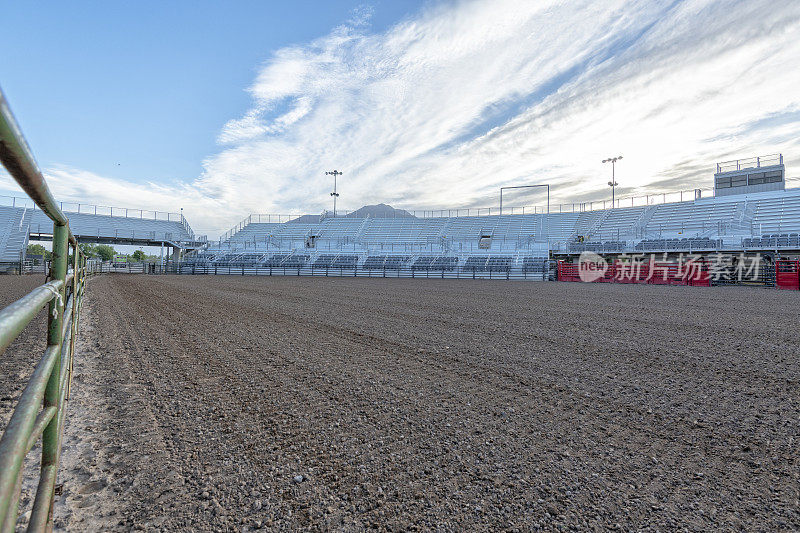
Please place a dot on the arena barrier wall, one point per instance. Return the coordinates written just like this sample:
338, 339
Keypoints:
695, 274
515, 274
787, 275
41, 407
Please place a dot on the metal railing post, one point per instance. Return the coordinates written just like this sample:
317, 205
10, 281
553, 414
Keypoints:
43, 505
76, 288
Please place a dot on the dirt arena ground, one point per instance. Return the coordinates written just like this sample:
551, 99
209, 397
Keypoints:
238, 403
17, 363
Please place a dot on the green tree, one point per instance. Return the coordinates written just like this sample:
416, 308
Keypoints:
38, 249
89, 250
139, 255
105, 252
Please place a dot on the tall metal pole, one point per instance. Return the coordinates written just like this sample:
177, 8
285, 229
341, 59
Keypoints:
335, 194
613, 183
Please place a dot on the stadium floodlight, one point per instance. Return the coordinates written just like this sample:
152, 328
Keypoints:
335, 194
613, 183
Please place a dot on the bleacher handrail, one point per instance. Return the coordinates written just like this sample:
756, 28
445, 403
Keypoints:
95, 209
560, 208
734, 165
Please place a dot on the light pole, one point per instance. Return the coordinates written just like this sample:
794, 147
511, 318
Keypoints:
613, 183
335, 194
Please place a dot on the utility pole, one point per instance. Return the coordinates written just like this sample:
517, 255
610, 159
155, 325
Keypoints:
335, 194
613, 183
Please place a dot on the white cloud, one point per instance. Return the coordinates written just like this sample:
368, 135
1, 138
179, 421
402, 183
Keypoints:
444, 108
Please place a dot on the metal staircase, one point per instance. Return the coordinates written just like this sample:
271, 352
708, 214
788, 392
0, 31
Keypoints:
640, 225
588, 221
361, 229
14, 239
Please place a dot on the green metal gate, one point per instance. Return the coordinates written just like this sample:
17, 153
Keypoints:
41, 407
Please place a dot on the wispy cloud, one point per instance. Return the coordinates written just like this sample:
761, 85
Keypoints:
445, 107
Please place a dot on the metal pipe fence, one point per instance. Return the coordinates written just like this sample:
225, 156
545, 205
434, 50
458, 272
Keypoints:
40, 409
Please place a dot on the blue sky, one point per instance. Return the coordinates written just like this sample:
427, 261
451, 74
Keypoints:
139, 90
228, 108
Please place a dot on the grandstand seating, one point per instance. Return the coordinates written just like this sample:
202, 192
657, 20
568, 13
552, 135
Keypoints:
13, 233
439, 263
446, 264
499, 263
697, 244
423, 262
778, 214
385, 262
488, 263
340, 228
687, 217
559, 225
295, 261
443, 243
324, 261
604, 246
534, 264
17, 224
287, 260
349, 261
773, 241
104, 226
476, 264
617, 223
492, 243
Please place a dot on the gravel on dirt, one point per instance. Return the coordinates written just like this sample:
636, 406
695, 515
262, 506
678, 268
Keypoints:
240, 403
16, 364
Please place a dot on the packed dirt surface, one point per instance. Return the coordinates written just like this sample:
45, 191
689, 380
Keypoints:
16, 366
17, 363
237, 403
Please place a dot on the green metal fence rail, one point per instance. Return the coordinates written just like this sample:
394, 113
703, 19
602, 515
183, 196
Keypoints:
41, 406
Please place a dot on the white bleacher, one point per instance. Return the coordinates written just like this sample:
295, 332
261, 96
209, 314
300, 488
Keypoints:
728, 219
340, 228
469, 228
112, 227
295, 231
510, 227
529, 227
400, 230
692, 217
618, 223
13, 238
559, 225
777, 215
18, 223
255, 232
